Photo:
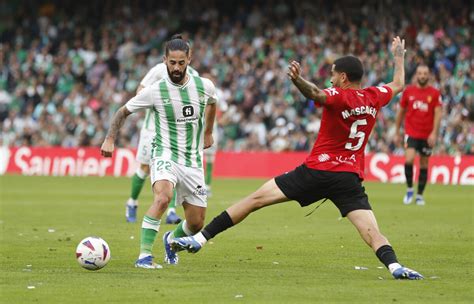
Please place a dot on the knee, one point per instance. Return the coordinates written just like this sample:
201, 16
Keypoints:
423, 164
162, 200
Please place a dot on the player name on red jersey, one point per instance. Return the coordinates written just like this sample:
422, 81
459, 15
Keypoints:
359, 111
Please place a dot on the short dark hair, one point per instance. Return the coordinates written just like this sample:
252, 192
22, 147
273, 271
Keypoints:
422, 65
177, 43
350, 65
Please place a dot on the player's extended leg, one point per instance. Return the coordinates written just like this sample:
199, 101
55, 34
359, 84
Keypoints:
366, 224
171, 216
422, 178
410, 154
194, 221
138, 180
266, 195
163, 191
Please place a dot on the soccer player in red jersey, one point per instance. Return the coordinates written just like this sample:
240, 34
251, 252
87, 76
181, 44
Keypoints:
421, 107
335, 167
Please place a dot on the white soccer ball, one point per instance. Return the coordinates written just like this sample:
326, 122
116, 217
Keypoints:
93, 253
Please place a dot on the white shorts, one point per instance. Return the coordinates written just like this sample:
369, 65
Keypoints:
188, 182
144, 146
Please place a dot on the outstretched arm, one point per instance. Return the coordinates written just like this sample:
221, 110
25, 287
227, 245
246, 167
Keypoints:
308, 89
398, 51
117, 122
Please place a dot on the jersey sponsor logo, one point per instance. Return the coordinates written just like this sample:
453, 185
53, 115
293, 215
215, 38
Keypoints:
429, 98
382, 89
331, 91
187, 119
188, 111
359, 111
420, 105
351, 160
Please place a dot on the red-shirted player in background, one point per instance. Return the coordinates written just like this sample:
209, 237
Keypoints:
421, 106
334, 169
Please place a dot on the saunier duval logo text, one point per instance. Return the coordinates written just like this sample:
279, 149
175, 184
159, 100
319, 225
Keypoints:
188, 113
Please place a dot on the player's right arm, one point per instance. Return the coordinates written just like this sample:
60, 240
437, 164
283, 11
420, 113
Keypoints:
117, 122
398, 123
398, 51
142, 101
308, 89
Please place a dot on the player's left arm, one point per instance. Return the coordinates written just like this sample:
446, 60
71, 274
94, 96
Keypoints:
308, 89
210, 114
436, 121
210, 118
398, 51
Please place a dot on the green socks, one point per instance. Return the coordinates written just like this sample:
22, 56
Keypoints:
137, 185
208, 178
181, 230
173, 201
150, 228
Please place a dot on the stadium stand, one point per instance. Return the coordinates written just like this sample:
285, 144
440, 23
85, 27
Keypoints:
66, 67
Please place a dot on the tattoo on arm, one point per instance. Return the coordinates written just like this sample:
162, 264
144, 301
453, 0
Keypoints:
308, 89
399, 52
117, 122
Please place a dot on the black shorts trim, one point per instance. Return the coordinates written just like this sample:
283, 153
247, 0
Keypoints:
306, 186
420, 145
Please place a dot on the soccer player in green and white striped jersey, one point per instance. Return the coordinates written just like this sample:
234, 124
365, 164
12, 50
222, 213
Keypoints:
143, 156
184, 110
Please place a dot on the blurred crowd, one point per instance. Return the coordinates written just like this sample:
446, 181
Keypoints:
65, 67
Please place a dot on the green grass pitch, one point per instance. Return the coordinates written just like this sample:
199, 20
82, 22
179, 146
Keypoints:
277, 255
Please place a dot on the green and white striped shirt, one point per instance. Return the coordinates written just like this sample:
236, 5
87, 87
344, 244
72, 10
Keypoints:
179, 117
155, 74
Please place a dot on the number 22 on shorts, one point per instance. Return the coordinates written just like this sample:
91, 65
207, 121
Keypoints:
163, 165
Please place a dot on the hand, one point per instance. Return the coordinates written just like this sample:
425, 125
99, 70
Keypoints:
432, 139
208, 141
398, 47
294, 70
107, 147
397, 139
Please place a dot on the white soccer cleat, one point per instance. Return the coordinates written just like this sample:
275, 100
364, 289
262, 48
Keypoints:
187, 243
147, 263
420, 200
407, 199
404, 273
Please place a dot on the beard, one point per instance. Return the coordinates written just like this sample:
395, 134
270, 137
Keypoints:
176, 76
422, 82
